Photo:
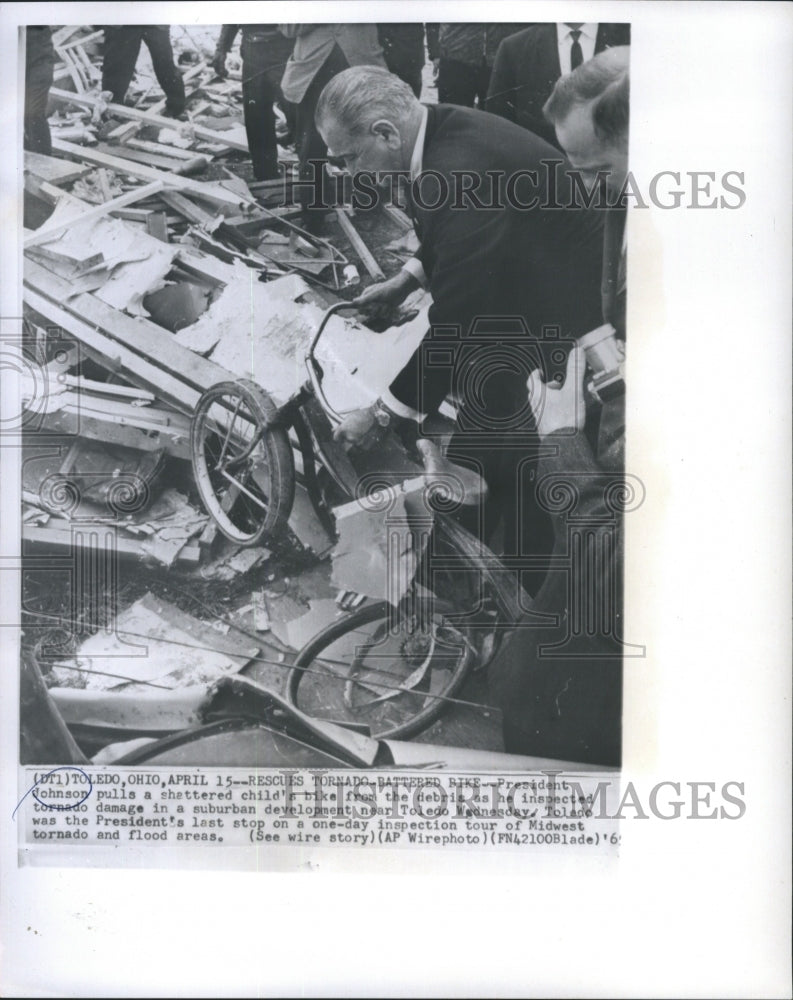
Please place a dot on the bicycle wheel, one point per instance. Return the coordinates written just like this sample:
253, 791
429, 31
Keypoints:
243, 464
389, 668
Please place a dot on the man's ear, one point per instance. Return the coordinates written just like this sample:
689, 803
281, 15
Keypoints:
388, 132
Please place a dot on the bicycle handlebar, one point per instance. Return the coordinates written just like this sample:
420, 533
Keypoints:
312, 364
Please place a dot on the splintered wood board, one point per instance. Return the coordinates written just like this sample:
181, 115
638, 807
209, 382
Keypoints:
154, 344
122, 111
53, 170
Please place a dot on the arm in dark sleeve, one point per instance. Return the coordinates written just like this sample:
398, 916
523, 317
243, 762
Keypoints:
466, 281
433, 50
501, 93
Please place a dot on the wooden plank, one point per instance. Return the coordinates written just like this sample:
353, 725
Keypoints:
135, 114
53, 170
113, 429
108, 388
212, 193
154, 343
47, 232
363, 251
123, 133
157, 226
137, 156
69, 255
192, 212
66, 537
158, 147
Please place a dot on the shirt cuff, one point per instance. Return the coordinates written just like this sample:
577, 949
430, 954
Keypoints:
415, 268
389, 400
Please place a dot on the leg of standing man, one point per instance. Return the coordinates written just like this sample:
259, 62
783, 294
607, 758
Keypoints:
457, 82
39, 63
122, 45
158, 41
311, 148
259, 92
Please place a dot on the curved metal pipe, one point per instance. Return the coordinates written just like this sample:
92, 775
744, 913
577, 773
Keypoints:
313, 365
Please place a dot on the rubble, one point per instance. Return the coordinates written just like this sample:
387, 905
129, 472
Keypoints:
155, 268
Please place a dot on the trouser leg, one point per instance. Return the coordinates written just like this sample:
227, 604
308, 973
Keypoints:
158, 42
311, 148
510, 519
39, 63
457, 82
122, 46
258, 94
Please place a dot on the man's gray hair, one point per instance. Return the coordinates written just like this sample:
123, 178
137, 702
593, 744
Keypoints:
603, 81
360, 96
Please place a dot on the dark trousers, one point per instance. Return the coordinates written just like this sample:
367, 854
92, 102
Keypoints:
122, 46
262, 69
39, 62
510, 520
462, 83
409, 72
311, 149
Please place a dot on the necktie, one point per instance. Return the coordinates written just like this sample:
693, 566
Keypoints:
576, 55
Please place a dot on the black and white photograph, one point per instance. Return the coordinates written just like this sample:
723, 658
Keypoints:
388, 487
328, 390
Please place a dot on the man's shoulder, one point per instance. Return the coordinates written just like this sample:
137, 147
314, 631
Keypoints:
458, 136
537, 36
610, 34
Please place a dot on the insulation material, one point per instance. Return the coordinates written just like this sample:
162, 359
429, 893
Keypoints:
262, 331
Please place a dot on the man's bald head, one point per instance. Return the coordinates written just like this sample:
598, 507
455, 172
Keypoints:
359, 96
590, 108
369, 119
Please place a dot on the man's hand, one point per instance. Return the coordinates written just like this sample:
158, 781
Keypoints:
382, 298
218, 64
559, 406
359, 429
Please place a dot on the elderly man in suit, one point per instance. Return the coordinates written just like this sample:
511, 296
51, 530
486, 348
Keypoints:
560, 685
505, 267
528, 64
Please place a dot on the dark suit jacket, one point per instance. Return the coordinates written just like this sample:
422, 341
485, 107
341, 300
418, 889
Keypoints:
526, 69
560, 685
614, 274
542, 264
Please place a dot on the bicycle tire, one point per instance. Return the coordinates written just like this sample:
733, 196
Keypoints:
305, 666
274, 507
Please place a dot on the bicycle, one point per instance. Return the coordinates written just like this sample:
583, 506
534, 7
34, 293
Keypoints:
407, 660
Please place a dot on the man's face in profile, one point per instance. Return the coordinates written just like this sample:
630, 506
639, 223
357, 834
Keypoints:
589, 154
376, 149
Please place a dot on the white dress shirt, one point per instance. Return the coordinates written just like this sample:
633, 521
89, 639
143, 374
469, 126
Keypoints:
586, 40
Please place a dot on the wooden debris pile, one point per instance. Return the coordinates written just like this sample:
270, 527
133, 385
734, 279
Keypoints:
155, 268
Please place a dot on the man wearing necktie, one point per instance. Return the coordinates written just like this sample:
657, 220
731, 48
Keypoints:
560, 686
528, 64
